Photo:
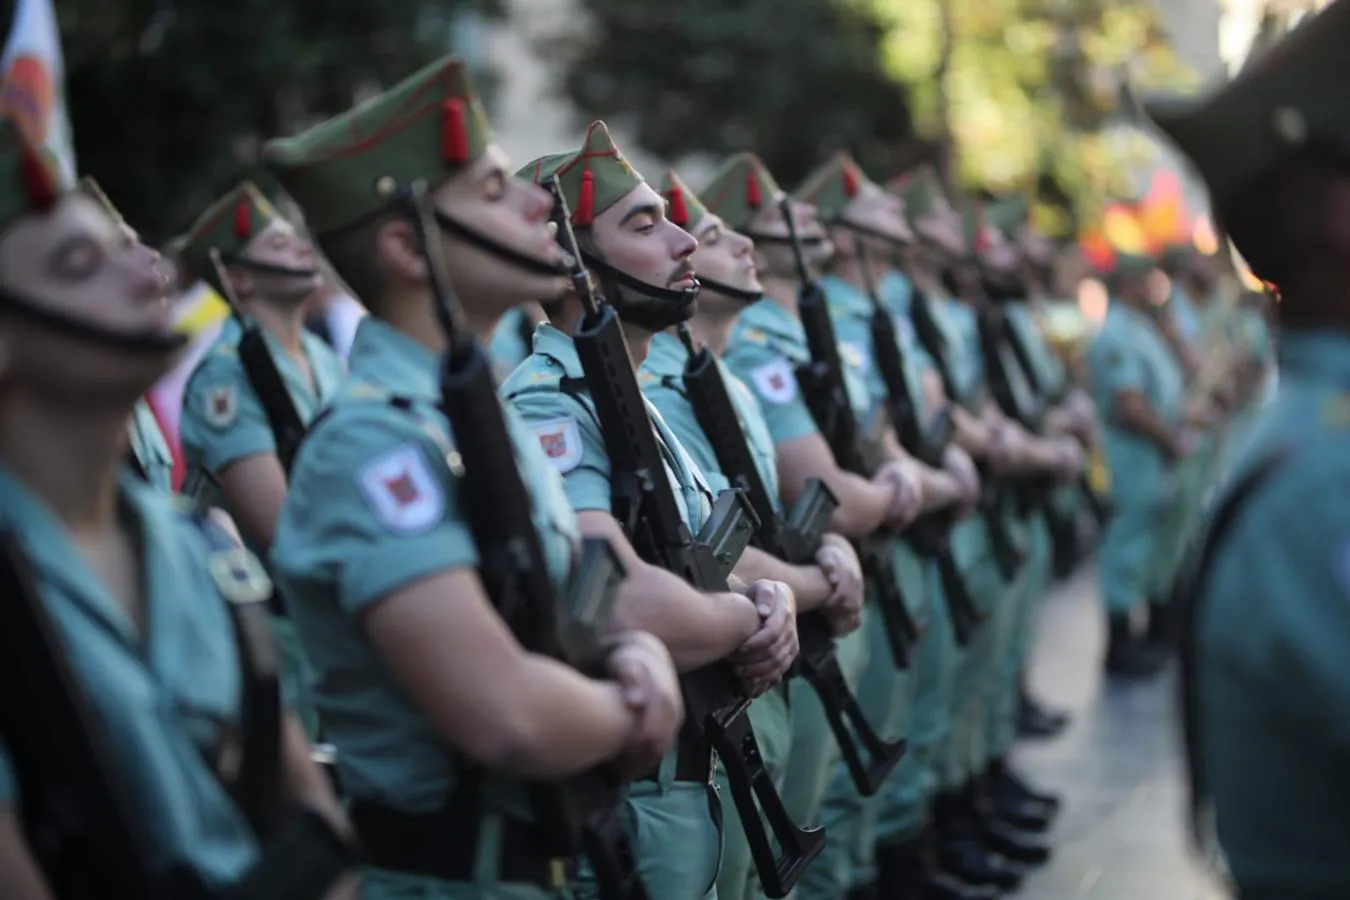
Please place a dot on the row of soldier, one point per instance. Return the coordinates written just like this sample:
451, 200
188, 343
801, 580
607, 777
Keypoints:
730, 593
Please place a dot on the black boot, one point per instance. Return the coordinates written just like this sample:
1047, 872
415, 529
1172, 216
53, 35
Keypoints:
1008, 790
961, 850
909, 871
867, 891
1015, 844
1034, 720
940, 885
1162, 632
1129, 657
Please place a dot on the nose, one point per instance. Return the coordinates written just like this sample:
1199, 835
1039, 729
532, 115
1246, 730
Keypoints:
806, 213
740, 244
684, 244
536, 203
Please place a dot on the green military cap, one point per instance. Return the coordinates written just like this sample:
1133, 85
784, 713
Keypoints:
593, 178
1009, 214
682, 205
975, 222
342, 171
226, 227
833, 186
1292, 97
30, 180
738, 190
919, 188
91, 189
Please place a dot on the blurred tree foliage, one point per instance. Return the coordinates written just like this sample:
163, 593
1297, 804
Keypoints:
170, 99
1022, 91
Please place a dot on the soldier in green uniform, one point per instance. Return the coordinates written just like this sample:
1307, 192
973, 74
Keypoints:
724, 261
437, 712
641, 259
868, 229
229, 444
1138, 385
766, 345
513, 338
139, 601
1266, 667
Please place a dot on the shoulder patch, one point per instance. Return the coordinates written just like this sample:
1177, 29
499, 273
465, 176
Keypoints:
239, 576
775, 381
753, 335
402, 491
222, 405
560, 440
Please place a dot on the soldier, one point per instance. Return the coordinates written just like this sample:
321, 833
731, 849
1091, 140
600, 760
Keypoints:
1138, 385
724, 261
766, 344
420, 683
642, 260
869, 230
513, 338
141, 606
148, 454
1265, 660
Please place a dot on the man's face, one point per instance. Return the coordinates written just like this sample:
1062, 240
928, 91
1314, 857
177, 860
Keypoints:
724, 256
510, 211
635, 237
279, 244
75, 261
1034, 246
998, 254
877, 210
776, 257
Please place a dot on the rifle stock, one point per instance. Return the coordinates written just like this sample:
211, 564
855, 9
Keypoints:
869, 758
645, 505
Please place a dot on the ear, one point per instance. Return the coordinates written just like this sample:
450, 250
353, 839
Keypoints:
397, 253
241, 281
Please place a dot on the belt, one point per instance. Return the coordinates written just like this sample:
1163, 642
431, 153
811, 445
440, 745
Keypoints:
444, 845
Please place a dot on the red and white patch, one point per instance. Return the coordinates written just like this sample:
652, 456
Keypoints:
222, 405
402, 491
560, 439
775, 381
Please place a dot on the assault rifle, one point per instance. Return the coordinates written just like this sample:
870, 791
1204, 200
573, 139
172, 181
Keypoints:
931, 533
79, 817
1008, 556
823, 388
645, 505
579, 815
869, 757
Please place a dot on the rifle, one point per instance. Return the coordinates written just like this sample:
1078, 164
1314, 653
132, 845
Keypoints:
796, 541
580, 814
822, 385
645, 506
1007, 555
263, 375
77, 811
931, 533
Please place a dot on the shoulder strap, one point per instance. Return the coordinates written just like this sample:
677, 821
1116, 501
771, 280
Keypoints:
1187, 596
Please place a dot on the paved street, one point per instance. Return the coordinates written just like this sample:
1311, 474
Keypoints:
1121, 835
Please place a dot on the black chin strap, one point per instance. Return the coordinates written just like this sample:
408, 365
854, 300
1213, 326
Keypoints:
805, 243
726, 290
869, 231
524, 261
264, 268
654, 308
143, 342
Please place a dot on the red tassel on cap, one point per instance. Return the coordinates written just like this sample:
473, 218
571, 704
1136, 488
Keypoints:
585, 201
243, 220
454, 136
752, 197
676, 211
850, 175
983, 240
38, 180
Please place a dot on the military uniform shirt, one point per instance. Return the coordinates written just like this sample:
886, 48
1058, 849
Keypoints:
168, 698
148, 445
568, 430
511, 342
223, 419
1048, 367
662, 380
1274, 672
896, 293
374, 507
766, 347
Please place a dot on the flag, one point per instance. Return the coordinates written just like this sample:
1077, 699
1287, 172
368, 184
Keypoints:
32, 82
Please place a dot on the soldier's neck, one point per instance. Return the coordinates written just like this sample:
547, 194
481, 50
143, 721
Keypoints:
416, 317
68, 457
283, 320
712, 330
782, 289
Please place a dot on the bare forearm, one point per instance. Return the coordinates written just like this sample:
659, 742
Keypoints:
808, 583
940, 489
863, 505
697, 628
577, 722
